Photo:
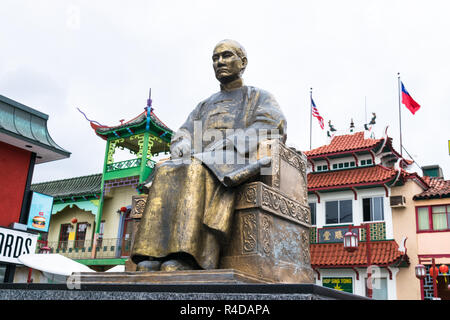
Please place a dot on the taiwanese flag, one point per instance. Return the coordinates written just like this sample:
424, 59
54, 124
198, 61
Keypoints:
408, 101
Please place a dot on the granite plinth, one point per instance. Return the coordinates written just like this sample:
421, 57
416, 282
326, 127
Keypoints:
172, 292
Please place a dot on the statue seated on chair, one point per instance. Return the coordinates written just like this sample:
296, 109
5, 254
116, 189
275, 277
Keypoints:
190, 211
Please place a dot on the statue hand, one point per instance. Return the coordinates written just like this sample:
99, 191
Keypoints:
182, 149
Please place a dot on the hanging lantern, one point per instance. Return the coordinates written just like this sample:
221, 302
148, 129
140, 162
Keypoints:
421, 271
444, 270
123, 209
74, 220
350, 242
434, 271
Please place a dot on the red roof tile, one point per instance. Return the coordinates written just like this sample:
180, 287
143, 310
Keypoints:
334, 254
349, 142
350, 177
439, 188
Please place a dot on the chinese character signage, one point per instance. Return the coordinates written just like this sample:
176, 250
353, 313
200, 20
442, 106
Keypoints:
14, 243
334, 234
40, 212
341, 284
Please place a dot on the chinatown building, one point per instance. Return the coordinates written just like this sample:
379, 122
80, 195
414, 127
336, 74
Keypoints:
361, 184
24, 142
432, 227
92, 221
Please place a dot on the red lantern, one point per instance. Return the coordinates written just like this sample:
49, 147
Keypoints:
443, 269
123, 209
434, 271
74, 220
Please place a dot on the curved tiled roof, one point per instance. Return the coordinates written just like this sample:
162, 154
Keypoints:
334, 254
439, 188
350, 177
72, 187
26, 128
140, 119
343, 143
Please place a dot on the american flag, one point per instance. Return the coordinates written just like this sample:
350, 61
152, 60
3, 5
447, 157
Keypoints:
316, 114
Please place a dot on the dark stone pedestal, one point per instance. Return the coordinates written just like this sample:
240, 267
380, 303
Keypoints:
172, 292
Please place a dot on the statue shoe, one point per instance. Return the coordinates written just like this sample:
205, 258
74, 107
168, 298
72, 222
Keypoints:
175, 265
148, 265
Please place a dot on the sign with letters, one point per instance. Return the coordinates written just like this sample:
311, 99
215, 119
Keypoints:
341, 284
14, 243
40, 212
334, 234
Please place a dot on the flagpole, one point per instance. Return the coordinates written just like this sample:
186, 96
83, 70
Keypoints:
400, 112
310, 119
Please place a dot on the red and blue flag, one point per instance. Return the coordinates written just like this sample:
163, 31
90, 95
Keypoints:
408, 101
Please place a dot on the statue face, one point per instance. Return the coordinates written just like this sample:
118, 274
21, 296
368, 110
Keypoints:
227, 64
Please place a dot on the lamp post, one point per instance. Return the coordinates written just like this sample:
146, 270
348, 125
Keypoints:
351, 245
420, 271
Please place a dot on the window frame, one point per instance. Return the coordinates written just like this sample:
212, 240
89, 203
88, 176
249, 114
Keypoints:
371, 205
339, 213
430, 218
315, 212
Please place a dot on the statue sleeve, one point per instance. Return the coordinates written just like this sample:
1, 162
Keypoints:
183, 138
264, 120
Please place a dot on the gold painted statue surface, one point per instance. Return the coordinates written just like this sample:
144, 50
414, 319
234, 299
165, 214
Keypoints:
191, 201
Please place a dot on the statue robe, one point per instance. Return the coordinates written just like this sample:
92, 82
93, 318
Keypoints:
189, 207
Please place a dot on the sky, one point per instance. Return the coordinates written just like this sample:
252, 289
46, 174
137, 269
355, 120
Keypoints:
103, 56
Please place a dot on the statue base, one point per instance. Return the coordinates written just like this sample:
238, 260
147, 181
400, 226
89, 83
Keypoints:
216, 276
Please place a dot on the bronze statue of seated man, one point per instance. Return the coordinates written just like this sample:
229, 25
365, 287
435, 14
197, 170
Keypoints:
189, 210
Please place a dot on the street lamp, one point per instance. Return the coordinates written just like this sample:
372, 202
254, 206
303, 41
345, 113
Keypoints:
351, 245
350, 241
421, 272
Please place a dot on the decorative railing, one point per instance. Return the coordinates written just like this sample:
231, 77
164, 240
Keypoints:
127, 164
76, 249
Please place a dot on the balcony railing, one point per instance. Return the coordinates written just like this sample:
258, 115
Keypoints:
106, 248
128, 164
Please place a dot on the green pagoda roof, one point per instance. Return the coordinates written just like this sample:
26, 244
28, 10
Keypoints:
26, 128
139, 123
84, 186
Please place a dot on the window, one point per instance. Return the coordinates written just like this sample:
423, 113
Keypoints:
344, 165
379, 288
373, 209
80, 235
338, 211
433, 218
312, 206
64, 231
423, 219
366, 162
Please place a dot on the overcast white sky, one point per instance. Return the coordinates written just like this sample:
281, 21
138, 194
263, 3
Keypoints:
103, 56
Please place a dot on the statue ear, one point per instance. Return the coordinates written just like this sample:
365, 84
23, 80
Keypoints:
244, 63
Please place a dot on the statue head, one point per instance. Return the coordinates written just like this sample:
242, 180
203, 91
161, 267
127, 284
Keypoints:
229, 61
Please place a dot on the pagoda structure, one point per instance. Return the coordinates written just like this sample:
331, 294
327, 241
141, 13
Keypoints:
145, 137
